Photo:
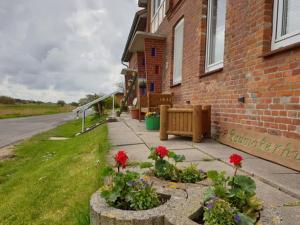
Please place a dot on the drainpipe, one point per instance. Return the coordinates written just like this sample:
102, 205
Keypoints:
124, 64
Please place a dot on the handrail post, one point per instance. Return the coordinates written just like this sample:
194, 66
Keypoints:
83, 121
197, 123
164, 122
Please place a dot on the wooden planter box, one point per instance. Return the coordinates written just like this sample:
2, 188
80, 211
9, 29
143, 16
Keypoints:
192, 121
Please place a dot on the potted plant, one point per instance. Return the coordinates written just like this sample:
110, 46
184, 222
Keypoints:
135, 112
164, 168
231, 199
152, 121
127, 190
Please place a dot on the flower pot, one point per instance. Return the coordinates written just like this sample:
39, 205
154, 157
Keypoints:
135, 113
152, 123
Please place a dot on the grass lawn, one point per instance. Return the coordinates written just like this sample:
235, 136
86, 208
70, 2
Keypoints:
21, 110
51, 182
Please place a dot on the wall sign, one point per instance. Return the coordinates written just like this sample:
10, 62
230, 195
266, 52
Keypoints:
282, 150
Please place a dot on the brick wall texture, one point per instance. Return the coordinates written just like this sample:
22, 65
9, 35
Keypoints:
270, 84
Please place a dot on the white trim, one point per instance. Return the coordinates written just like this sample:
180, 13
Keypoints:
278, 40
219, 64
178, 53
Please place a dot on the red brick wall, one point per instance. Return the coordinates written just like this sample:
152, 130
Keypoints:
270, 85
154, 64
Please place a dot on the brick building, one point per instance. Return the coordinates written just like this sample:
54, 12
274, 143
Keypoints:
241, 57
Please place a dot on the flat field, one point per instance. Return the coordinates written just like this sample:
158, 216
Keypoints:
22, 110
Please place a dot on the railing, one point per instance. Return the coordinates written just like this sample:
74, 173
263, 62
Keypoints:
126, 97
192, 122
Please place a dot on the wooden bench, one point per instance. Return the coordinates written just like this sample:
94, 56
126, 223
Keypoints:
192, 121
153, 101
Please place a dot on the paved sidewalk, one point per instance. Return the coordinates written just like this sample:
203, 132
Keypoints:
278, 186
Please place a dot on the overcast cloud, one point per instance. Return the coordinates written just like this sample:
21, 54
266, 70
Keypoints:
62, 49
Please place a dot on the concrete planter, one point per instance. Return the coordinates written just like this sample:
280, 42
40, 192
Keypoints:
177, 210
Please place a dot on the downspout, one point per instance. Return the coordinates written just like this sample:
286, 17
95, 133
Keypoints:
124, 64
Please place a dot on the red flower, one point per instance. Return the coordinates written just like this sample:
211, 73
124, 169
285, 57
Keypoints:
161, 151
121, 158
236, 159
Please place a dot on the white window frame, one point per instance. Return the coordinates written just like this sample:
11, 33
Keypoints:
178, 79
157, 14
219, 64
279, 41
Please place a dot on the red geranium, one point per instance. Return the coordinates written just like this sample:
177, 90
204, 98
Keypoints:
121, 158
161, 151
236, 159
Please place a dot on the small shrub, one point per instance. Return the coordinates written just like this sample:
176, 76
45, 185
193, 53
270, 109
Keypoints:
191, 174
164, 168
238, 191
127, 190
219, 212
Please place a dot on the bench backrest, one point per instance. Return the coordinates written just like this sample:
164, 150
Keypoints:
155, 100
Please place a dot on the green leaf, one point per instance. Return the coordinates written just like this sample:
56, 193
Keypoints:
255, 203
245, 220
107, 171
179, 158
212, 174
146, 165
246, 183
209, 194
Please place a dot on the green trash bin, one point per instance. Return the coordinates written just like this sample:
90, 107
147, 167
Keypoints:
152, 123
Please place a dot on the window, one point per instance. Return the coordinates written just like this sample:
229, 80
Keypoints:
178, 52
216, 16
286, 23
152, 88
158, 14
153, 52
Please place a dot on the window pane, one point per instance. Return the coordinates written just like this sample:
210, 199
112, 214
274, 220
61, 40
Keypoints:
291, 16
178, 51
217, 30
153, 7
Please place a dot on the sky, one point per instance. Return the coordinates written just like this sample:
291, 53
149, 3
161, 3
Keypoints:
62, 49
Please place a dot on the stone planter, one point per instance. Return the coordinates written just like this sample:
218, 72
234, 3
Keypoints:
181, 205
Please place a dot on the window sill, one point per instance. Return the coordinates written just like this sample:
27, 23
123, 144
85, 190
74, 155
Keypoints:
280, 50
175, 85
211, 72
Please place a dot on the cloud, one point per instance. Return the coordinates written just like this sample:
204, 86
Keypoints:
54, 49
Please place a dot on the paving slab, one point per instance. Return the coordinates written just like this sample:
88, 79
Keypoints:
193, 155
280, 216
135, 125
152, 139
270, 195
276, 175
218, 150
282, 177
136, 153
121, 135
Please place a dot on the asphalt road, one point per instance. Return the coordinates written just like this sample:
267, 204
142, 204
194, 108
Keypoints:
14, 130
